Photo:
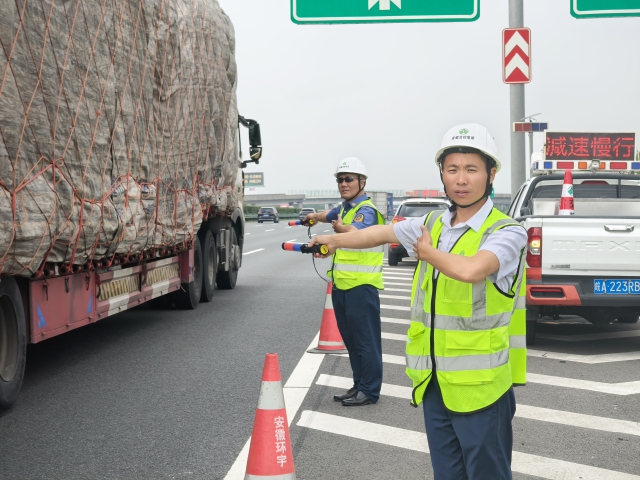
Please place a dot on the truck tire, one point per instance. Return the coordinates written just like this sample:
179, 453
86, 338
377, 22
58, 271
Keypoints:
13, 342
209, 264
627, 318
393, 259
227, 280
188, 297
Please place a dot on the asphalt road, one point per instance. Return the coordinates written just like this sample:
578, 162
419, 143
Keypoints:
155, 394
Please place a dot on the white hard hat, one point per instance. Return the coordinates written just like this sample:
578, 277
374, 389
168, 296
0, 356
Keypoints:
351, 165
470, 135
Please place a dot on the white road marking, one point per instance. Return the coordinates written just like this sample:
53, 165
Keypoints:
252, 251
405, 271
314, 234
326, 231
624, 388
292, 240
288, 227
525, 463
270, 230
396, 274
408, 290
396, 307
396, 297
591, 359
561, 417
543, 467
394, 336
294, 390
590, 336
247, 234
397, 283
400, 321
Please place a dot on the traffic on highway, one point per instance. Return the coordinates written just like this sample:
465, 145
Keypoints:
449, 289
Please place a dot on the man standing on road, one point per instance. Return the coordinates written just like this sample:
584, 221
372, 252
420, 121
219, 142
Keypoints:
357, 277
466, 345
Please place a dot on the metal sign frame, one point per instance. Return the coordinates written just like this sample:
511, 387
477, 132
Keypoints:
605, 9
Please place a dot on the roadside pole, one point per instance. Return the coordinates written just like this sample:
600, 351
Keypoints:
518, 152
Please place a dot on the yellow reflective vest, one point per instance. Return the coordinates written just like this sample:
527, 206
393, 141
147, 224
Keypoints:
475, 334
352, 268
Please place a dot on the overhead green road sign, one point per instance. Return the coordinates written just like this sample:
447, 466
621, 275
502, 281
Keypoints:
383, 11
605, 8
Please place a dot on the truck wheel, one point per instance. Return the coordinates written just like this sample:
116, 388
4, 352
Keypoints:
627, 318
227, 280
188, 297
13, 342
393, 259
209, 264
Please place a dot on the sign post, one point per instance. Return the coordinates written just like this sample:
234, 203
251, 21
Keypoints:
605, 8
383, 11
518, 155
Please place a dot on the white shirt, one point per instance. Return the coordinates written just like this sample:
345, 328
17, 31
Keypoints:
506, 243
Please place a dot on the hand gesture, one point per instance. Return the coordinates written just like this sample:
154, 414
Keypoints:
422, 246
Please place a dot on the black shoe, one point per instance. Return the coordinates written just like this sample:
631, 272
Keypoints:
350, 393
357, 401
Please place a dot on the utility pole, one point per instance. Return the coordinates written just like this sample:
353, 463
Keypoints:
518, 152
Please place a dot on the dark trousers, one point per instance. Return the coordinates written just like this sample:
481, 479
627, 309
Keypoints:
476, 446
358, 314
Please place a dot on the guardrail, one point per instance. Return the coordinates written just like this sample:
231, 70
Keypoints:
252, 217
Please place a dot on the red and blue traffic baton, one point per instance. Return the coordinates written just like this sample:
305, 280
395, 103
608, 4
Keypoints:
310, 223
305, 248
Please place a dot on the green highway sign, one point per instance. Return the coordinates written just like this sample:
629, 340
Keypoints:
383, 11
605, 8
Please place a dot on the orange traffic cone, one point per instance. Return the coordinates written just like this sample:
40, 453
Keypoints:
566, 201
270, 454
330, 340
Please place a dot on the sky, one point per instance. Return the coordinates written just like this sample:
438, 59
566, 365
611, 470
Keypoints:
387, 93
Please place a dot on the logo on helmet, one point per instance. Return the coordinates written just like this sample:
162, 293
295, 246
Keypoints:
464, 131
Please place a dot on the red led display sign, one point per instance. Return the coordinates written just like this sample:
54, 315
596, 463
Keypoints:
589, 146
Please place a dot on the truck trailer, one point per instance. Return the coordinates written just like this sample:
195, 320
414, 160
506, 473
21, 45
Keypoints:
120, 164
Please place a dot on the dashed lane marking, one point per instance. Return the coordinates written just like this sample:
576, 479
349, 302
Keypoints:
561, 417
270, 230
253, 251
247, 234
591, 359
324, 231
395, 297
525, 463
396, 307
590, 336
292, 240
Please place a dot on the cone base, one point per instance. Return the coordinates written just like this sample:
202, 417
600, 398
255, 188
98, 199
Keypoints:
317, 350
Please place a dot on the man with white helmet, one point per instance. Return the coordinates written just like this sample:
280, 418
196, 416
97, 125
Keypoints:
466, 342
357, 277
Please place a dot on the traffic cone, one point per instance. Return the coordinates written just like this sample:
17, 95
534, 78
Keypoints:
330, 340
270, 454
566, 201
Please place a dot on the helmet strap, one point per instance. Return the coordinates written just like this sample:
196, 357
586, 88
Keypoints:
359, 189
487, 192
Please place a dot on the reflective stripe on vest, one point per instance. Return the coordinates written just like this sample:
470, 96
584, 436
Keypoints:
476, 341
351, 267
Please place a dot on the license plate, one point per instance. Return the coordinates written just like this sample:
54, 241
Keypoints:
616, 287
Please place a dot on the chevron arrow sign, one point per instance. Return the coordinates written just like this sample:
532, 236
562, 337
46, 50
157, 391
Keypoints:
516, 55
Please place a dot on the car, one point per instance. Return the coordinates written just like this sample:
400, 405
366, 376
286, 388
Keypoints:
413, 208
306, 211
268, 213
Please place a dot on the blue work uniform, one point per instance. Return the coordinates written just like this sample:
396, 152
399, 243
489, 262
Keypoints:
357, 313
475, 446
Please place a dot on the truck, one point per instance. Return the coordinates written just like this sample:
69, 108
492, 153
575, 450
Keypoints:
585, 264
383, 202
121, 176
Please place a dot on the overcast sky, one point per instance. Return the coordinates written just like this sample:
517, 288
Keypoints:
387, 93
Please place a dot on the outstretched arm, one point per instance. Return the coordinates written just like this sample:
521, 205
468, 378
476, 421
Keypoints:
366, 238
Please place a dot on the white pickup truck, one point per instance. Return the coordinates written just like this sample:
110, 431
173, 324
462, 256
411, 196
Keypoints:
588, 264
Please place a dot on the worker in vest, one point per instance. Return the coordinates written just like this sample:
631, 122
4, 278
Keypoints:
466, 344
357, 277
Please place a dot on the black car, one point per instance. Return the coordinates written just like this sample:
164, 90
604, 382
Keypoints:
268, 213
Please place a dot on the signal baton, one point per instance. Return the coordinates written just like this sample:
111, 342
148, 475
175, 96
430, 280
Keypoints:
300, 222
305, 248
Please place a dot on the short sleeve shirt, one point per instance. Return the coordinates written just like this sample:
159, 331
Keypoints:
366, 216
506, 243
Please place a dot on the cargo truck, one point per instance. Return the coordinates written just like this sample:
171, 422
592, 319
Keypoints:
120, 166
